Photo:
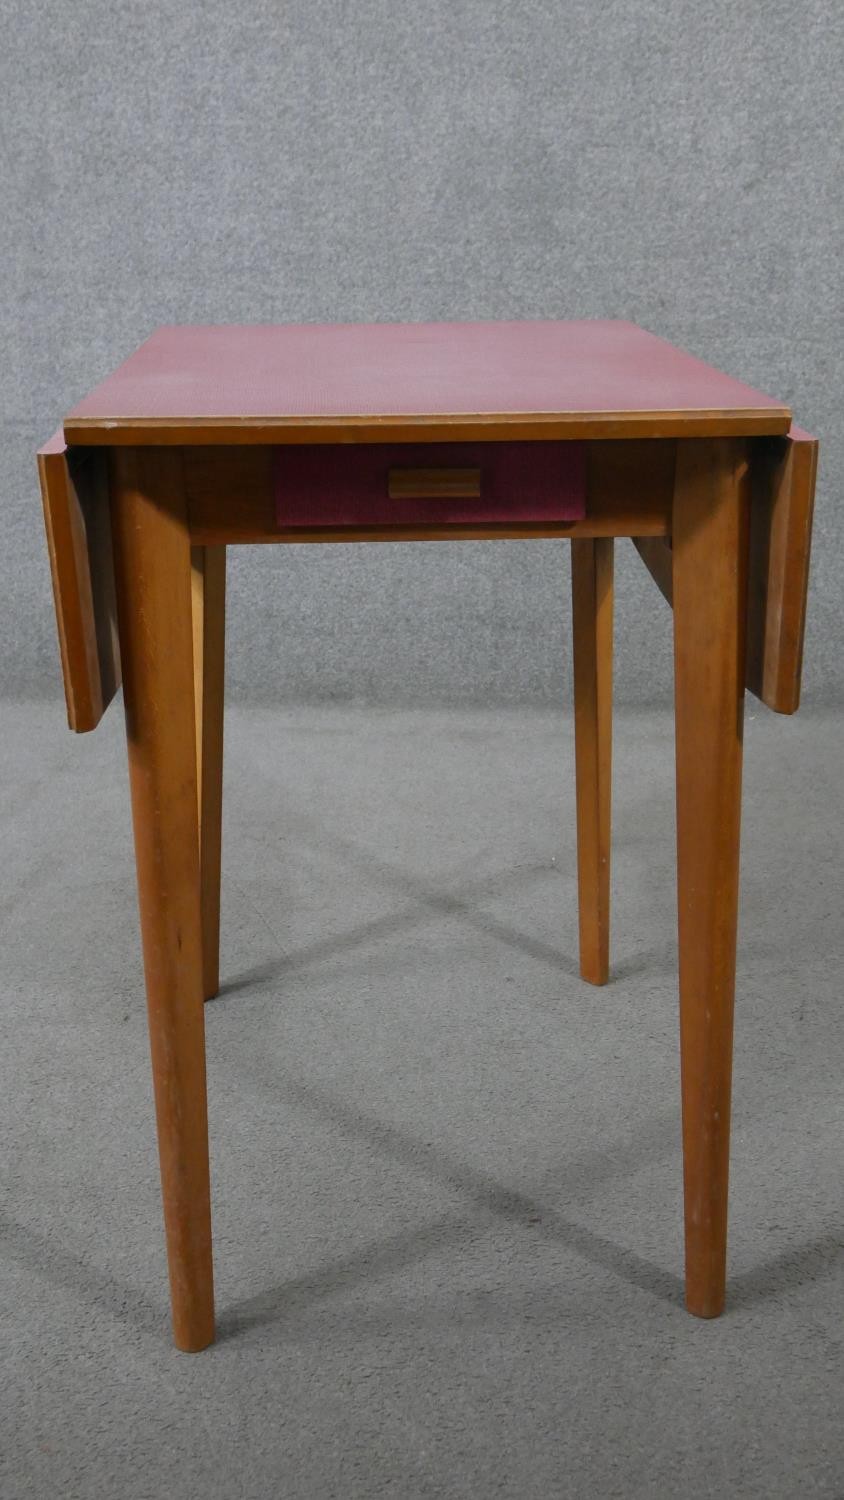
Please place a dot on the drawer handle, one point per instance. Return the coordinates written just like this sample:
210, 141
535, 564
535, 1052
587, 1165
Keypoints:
434, 484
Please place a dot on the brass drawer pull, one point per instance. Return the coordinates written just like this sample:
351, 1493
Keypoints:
434, 484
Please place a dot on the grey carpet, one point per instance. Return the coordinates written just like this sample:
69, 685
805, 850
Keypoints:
446, 1173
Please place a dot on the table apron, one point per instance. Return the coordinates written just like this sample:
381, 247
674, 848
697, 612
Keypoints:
231, 499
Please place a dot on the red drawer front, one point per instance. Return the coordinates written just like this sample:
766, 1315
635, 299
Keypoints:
348, 484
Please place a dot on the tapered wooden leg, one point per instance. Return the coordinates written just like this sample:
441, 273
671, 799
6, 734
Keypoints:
710, 529
592, 616
208, 588
153, 578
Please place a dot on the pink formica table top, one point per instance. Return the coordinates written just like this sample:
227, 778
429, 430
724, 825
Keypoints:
425, 381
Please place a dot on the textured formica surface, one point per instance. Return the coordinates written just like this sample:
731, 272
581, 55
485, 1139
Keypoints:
494, 368
447, 1173
319, 161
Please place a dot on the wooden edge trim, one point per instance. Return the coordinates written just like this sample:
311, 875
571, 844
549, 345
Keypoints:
463, 427
433, 484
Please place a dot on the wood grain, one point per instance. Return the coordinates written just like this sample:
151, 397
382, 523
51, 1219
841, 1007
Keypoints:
208, 598
782, 488
434, 484
592, 616
74, 491
153, 571
784, 473
469, 427
656, 554
231, 500
711, 516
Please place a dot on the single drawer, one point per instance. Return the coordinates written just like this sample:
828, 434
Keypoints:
407, 484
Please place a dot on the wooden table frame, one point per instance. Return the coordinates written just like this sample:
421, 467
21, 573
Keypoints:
722, 522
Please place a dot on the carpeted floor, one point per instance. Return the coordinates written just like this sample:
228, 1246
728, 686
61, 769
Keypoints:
446, 1173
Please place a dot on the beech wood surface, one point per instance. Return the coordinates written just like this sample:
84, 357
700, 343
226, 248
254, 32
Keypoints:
782, 489
784, 471
655, 552
208, 599
74, 492
711, 519
153, 572
427, 484
592, 631
231, 498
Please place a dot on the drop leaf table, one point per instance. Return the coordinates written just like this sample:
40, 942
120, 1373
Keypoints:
413, 432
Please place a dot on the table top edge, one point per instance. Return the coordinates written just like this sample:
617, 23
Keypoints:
771, 420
